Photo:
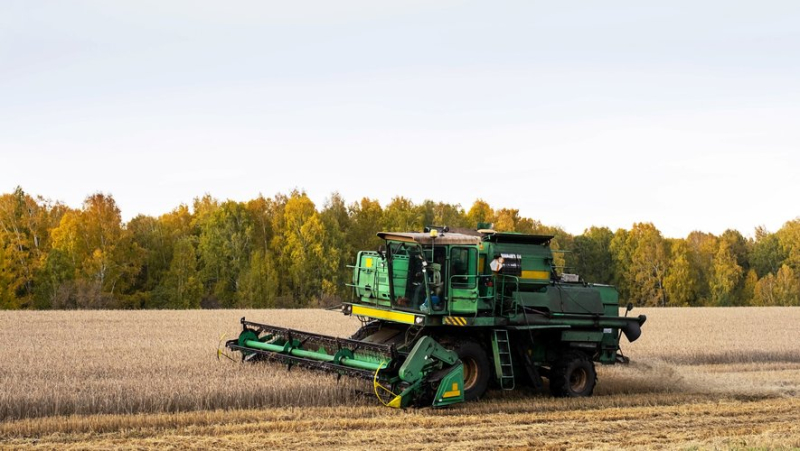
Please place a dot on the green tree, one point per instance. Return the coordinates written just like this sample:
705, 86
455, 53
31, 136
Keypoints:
401, 215
766, 253
442, 214
258, 286
592, 255
57, 281
366, 218
262, 212
224, 247
181, 287
336, 221
738, 246
157, 237
277, 248
621, 251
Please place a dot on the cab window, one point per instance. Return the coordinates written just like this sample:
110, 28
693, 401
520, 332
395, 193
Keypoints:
463, 267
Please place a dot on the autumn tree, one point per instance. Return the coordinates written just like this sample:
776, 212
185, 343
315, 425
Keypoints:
702, 250
480, 212
283, 251
787, 287
93, 243
21, 252
726, 275
749, 287
680, 282
782, 289
789, 238
641, 256
506, 220
304, 257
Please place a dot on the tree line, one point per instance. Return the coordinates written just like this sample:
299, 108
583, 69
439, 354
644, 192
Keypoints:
285, 252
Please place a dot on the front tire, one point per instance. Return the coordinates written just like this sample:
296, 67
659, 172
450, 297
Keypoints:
572, 376
476, 368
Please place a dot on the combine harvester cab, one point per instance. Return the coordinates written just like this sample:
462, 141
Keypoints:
447, 314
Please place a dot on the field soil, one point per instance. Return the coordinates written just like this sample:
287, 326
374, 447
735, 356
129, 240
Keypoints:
698, 378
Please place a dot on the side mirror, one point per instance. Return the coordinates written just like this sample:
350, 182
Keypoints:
629, 307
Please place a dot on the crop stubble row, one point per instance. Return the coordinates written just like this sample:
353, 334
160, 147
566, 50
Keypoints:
116, 362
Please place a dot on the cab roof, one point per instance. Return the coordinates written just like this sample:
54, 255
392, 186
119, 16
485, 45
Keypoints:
462, 238
426, 239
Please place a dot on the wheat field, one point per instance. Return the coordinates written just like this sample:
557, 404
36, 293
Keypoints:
704, 378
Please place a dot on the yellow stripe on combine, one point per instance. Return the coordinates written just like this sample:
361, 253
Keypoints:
454, 392
406, 318
455, 321
535, 275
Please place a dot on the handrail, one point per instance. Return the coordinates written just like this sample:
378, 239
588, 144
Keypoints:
502, 292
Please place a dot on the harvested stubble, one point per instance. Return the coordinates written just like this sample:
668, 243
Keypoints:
699, 377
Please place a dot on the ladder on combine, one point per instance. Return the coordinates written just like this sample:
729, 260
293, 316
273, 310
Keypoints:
501, 348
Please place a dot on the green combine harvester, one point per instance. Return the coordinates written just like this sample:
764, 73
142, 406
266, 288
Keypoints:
446, 314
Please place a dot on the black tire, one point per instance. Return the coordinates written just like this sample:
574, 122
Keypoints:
476, 368
572, 376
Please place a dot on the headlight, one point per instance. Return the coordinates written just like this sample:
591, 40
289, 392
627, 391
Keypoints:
347, 309
419, 320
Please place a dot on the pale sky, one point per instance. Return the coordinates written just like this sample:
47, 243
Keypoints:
681, 113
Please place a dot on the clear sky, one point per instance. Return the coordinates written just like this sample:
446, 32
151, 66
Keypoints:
681, 113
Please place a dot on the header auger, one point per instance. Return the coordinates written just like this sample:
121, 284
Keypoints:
447, 314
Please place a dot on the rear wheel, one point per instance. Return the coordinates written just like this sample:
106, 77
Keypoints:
572, 376
476, 368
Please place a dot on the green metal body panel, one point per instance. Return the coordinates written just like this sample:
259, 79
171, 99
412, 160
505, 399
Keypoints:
426, 352
450, 389
581, 336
